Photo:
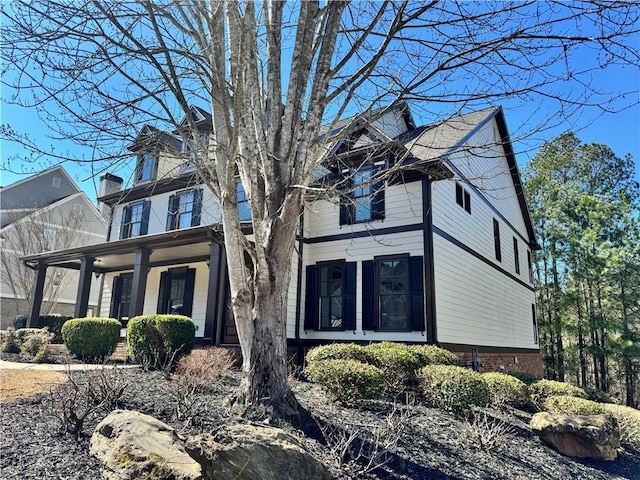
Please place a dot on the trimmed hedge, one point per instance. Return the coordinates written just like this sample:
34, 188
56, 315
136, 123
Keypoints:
155, 339
347, 380
453, 388
506, 390
569, 405
91, 337
337, 351
541, 390
397, 362
434, 355
525, 377
628, 422
53, 322
599, 396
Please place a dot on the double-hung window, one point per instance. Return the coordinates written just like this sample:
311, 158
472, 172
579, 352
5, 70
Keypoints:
146, 167
330, 296
184, 209
393, 293
244, 209
365, 202
135, 219
496, 240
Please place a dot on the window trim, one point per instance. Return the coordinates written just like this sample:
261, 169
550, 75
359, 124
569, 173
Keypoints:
127, 214
173, 211
376, 195
140, 163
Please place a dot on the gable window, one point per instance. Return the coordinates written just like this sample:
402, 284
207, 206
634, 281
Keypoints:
191, 151
366, 200
176, 291
184, 209
393, 293
331, 296
146, 167
530, 266
48, 239
463, 198
244, 209
496, 240
516, 255
135, 220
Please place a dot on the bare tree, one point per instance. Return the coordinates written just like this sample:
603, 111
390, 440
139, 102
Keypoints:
276, 76
42, 230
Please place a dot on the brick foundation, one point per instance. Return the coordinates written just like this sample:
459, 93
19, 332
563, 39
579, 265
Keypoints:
505, 361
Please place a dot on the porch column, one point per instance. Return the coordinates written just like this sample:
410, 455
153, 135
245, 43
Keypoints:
139, 282
213, 293
84, 287
37, 290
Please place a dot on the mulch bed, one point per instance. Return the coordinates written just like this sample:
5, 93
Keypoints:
432, 445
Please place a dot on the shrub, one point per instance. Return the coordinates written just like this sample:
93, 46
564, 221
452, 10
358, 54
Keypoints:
598, 395
337, 351
434, 355
570, 405
506, 390
92, 337
396, 361
20, 321
453, 388
10, 343
525, 377
348, 380
160, 340
35, 345
54, 323
628, 422
543, 389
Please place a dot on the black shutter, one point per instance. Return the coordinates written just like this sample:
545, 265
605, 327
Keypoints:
115, 298
162, 292
368, 296
416, 286
124, 223
187, 299
171, 213
311, 299
349, 300
146, 210
377, 201
196, 211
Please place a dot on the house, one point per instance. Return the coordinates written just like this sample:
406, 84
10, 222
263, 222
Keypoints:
439, 251
43, 213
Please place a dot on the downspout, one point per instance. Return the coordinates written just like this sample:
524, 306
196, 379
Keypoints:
430, 326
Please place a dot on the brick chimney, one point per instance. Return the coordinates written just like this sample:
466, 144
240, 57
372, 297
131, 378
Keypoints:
109, 184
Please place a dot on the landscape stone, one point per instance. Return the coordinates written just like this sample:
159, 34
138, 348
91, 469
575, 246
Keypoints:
251, 452
583, 436
132, 445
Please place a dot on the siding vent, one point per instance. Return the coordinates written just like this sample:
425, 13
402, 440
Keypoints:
56, 182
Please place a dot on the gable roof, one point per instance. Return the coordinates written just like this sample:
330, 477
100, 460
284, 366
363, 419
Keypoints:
150, 136
57, 168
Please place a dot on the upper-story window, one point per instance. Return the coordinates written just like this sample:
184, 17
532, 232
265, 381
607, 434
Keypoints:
190, 150
463, 198
366, 200
184, 209
244, 209
146, 167
529, 266
135, 219
496, 240
516, 255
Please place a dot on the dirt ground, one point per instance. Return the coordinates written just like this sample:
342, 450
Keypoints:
16, 384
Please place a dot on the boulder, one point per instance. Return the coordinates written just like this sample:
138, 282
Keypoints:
253, 452
132, 445
583, 436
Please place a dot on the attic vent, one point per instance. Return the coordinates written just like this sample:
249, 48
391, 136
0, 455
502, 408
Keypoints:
56, 182
77, 209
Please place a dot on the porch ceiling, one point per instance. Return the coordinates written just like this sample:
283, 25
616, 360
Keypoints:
167, 248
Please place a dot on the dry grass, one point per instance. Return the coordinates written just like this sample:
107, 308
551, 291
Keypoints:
15, 384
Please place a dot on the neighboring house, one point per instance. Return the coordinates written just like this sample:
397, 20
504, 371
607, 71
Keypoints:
43, 213
439, 251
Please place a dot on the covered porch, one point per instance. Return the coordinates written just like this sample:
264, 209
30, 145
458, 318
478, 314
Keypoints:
133, 259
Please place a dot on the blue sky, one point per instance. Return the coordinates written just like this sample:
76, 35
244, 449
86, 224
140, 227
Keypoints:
620, 129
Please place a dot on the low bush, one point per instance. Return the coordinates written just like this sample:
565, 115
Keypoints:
10, 343
348, 380
453, 388
337, 351
598, 395
53, 322
506, 390
525, 377
158, 341
434, 355
397, 362
20, 321
91, 338
628, 422
570, 405
543, 389
34, 345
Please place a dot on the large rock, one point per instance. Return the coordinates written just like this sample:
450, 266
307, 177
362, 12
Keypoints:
251, 452
584, 436
132, 445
